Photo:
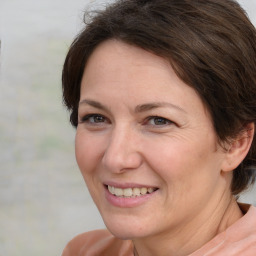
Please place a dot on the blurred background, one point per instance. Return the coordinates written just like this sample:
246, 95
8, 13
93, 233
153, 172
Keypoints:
43, 199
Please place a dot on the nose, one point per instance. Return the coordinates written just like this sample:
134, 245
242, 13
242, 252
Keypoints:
122, 152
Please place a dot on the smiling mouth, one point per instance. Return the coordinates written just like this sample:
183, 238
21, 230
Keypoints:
130, 192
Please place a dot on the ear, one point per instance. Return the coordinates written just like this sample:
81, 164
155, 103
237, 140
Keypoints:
238, 148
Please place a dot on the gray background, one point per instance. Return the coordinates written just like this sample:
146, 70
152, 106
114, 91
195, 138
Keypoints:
43, 199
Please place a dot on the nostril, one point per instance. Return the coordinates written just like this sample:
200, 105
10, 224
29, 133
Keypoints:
118, 162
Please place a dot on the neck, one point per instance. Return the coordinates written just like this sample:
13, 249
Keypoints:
187, 239
230, 216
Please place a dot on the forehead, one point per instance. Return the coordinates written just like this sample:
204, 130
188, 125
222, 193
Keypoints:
115, 55
118, 69
114, 60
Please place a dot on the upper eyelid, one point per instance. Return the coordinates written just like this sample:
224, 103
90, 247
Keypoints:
85, 117
160, 117
94, 107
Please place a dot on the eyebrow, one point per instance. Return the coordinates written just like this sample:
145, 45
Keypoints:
138, 109
94, 104
154, 105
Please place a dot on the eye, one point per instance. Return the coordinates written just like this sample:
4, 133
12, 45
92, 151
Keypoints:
159, 121
93, 119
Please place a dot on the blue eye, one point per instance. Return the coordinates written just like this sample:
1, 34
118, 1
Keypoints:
93, 118
157, 120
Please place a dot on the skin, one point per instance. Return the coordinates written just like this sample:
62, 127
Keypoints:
122, 143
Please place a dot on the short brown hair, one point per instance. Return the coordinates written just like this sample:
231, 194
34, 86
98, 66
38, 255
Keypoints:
211, 45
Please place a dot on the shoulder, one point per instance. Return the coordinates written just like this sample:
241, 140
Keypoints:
98, 243
239, 239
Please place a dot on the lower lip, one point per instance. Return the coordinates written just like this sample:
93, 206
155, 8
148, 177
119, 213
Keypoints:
127, 202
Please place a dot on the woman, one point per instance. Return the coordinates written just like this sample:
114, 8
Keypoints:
162, 94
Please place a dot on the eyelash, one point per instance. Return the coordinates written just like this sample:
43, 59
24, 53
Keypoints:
103, 119
86, 118
165, 120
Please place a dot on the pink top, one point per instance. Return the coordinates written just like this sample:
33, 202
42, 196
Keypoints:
238, 240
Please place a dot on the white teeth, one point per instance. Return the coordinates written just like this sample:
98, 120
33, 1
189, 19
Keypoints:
112, 190
136, 191
130, 192
119, 192
150, 190
143, 191
127, 192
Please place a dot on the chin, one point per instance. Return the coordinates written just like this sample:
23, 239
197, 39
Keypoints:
124, 234
125, 229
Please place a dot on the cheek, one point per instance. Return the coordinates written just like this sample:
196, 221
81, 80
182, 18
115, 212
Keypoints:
189, 175
88, 151
182, 163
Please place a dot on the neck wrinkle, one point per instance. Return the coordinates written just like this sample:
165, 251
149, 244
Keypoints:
230, 214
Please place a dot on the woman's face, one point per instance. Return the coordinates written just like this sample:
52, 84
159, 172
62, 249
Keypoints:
145, 144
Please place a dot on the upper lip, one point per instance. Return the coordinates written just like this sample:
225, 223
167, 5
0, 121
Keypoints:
128, 185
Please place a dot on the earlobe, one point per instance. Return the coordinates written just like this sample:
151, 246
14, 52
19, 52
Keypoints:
238, 148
